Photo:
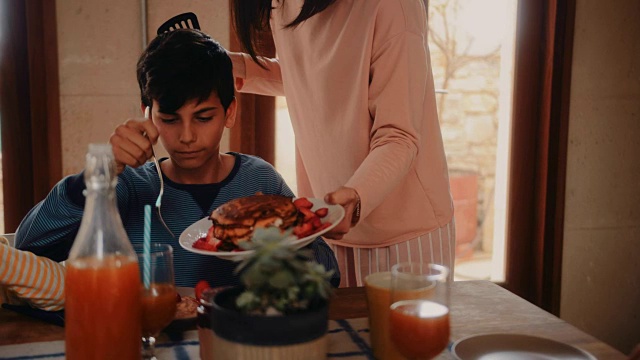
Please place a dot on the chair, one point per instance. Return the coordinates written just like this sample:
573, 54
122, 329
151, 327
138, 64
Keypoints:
10, 238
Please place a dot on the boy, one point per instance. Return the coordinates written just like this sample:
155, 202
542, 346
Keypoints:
186, 80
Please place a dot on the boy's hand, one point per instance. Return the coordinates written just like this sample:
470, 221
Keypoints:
132, 142
348, 198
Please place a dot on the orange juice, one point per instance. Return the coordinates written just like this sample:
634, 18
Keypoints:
378, 289
102, 310
158, 307
419, 329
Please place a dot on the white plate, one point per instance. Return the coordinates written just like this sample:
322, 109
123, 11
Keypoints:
199, 229
515, 346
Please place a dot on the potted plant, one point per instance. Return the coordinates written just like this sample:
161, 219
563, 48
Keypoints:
281, 309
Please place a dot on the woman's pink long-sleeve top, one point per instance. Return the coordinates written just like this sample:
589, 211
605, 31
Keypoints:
360, 92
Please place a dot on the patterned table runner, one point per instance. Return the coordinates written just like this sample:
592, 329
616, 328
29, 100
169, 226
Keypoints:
348, 339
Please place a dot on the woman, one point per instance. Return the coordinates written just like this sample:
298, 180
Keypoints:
359, 87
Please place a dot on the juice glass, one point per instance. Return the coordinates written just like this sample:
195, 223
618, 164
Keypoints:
419, 327
102, 299
159, 299
378, 290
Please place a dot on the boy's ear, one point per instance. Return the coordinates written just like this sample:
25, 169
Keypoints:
143, 107
230, 118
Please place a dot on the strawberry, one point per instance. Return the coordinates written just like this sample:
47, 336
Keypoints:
201, 286
302, 229
323, 226
308, 214
322, 212
203, 244
302, 203
316, 222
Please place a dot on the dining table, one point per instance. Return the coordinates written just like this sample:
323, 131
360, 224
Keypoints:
476, 307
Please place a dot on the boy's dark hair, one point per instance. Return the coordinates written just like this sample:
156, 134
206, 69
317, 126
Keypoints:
182, 65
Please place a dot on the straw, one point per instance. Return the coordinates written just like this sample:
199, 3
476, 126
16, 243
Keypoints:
146, 248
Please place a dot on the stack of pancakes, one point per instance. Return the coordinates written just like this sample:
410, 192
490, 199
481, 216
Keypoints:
235, 221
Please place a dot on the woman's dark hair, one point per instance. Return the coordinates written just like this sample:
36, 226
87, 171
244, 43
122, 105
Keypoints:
182, 65
251, 17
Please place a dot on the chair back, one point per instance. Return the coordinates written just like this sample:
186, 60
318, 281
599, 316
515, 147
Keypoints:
9, 239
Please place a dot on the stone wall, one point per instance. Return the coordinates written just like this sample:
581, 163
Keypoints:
468, 113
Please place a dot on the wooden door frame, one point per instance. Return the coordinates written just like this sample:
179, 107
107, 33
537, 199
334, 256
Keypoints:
255, 127
29, 106
540, 120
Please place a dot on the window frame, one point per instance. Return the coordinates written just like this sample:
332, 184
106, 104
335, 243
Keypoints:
30, 106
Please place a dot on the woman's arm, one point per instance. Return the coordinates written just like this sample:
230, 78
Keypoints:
251, 78
400, 83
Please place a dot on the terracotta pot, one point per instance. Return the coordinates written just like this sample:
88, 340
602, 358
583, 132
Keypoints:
464, 190
240, 336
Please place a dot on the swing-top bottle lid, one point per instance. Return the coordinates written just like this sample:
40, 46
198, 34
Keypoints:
100, 171
98, 149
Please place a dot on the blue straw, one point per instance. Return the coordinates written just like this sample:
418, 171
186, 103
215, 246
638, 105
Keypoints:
146, 248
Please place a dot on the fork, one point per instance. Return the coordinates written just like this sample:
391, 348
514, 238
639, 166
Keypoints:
159, 198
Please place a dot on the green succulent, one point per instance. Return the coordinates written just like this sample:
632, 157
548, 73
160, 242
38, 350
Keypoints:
279, 279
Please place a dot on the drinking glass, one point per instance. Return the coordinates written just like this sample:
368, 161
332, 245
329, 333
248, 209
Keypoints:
159, 300
378, 290
419, 316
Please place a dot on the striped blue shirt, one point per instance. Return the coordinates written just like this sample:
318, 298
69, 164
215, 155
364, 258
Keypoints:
51, 226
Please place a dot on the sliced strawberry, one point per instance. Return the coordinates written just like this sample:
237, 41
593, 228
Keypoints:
323, 226
302, 229
201, 286
322, 212
302, 203
308, 233
316, 222
308, 214
203, 244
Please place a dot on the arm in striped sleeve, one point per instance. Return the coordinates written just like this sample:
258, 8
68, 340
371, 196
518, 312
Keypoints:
37, 280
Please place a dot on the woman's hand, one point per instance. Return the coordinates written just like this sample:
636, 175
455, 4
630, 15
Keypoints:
132, 142
349, 199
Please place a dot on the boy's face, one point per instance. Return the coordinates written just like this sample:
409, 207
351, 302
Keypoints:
192, 134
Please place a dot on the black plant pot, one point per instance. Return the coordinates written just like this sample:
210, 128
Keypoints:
266, 337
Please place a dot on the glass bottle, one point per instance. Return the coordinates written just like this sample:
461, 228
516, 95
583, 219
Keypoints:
102, 282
